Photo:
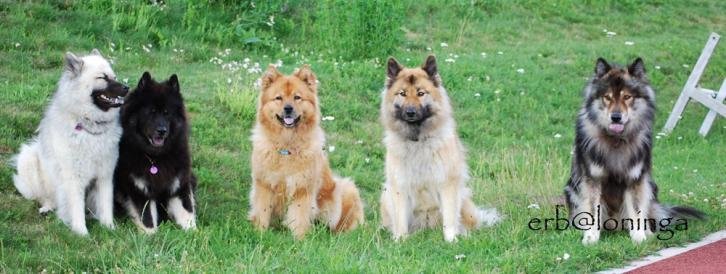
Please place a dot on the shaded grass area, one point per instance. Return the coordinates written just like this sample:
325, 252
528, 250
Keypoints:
518, 130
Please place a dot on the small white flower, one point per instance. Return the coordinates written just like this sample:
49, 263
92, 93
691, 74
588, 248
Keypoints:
610, 33
229, 80
449, 60
477, 94
126, 80
695, 171
497, 91
331, 148
500, 53
520, 71
470, 78
657, 67
521, 93
459, 256
484, 54
328, 118
671, 191
359, 142
705, 200
428, 48
533, 206
444, 45
657, 137
499, 99
558, 259
690, 193
566, 256
558, 136
629, 43
367, 160
685, 65
680, 137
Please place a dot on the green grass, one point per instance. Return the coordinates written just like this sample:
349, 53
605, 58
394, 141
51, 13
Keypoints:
509, 129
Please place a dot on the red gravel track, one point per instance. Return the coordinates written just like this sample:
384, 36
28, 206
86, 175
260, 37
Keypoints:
710, 258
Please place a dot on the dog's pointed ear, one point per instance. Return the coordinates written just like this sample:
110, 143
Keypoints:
306, 74
637, 68
601, 67
174, 83
74, 65
393, 68
269, 77
432, 69
96, 52
144, 81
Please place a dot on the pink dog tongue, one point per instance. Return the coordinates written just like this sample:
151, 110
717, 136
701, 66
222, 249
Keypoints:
288, 121
616, 128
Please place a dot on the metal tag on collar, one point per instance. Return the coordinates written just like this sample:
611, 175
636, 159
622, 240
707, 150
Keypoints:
284, 152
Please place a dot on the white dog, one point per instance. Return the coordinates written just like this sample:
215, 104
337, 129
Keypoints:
71, 161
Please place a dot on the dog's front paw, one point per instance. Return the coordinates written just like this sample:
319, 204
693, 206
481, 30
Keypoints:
44, 210
109, 225
638, 236
450, 235
399, 237
591, 237
81, 231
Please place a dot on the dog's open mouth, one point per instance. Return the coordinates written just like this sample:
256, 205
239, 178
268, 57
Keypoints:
288, 121
616, 128
111, 101
157, 141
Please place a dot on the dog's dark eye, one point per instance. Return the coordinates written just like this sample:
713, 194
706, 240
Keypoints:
297, 97
627, 97
607, 97
420, 93
402, 93
278, 98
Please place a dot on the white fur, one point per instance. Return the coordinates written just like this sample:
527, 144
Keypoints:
57, 166
181, 216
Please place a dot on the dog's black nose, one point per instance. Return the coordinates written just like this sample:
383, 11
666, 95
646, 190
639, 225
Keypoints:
161, 131
126, 88
410, 111
288, 109
616, 117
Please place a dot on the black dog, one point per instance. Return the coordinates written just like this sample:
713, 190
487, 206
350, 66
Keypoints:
153, 177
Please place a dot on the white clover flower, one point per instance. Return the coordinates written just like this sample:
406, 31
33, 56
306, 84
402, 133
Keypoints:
500, 52
533, 206
328, 118
331, 148
558, 136
444, 45
610, 33
497, 91
566, 256
367, 160
629, 43
459, 256
449, 60
657, 67
520, 71
477, 94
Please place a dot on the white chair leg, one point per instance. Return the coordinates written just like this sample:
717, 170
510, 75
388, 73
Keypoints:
711, 116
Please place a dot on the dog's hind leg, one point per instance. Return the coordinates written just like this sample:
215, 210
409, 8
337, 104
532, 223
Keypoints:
451, 200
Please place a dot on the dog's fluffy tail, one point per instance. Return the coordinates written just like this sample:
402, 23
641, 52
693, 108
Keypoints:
341, 204
28, 181
665, 211
473, 217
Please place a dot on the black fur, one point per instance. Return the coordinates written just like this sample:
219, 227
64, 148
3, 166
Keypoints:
150, 107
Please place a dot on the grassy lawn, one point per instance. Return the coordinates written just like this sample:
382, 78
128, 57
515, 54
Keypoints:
514, 70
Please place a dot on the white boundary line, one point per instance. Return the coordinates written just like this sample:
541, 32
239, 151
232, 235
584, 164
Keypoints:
669, 252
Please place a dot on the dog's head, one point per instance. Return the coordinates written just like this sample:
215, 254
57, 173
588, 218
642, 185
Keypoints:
93, 74
619, 97
288, 101
412, 96
155, 113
